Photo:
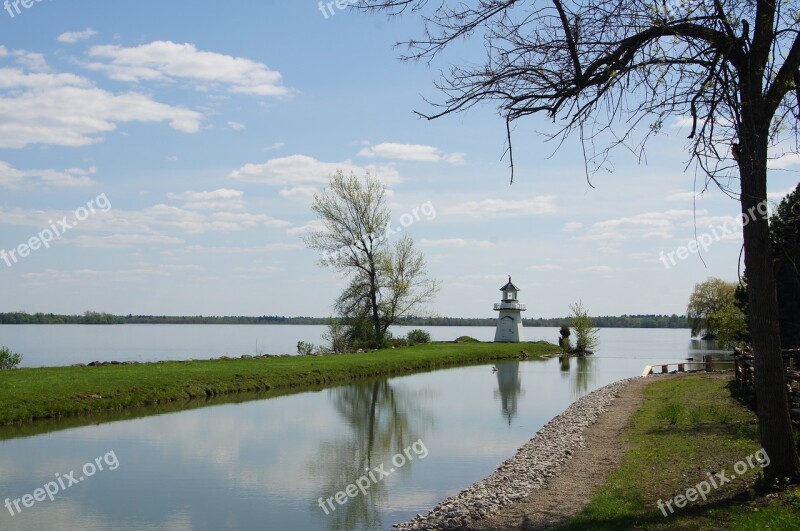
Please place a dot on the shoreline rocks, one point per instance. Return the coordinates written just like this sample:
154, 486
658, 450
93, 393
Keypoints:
529, 469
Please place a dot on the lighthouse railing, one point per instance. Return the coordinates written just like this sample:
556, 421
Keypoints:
509, 306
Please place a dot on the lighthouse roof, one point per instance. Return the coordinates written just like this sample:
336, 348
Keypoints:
510, 286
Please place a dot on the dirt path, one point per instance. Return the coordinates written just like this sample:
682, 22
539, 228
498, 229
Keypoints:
572, 489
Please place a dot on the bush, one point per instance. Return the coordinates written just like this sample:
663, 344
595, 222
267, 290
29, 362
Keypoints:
400, 342
8, 359
418, 336
336, 336
305, 349
585, 332
563, 341
466, 339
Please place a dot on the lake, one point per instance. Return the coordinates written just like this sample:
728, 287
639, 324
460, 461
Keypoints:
56, 345
273, 463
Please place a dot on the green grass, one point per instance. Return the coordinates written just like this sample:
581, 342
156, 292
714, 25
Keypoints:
685, 428
28, 395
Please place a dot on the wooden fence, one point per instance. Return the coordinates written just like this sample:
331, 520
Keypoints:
744, 368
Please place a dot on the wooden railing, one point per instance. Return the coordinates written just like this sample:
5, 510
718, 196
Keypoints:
707, 365
744, 363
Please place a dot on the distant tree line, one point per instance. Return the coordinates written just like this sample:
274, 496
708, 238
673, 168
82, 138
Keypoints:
624, 321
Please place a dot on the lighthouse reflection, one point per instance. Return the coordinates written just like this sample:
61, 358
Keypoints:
509, 389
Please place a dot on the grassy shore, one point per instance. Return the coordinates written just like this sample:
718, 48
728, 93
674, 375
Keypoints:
28, 395
686, 428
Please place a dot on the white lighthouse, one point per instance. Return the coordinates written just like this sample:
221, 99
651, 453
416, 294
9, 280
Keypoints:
509, 321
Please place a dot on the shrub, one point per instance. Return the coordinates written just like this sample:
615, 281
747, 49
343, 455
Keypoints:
585, 331
563, 341
8, 359
305, 349
336, 336
466, 339
418, 336
400, 342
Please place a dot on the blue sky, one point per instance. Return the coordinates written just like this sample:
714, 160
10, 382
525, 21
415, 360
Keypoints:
199, 131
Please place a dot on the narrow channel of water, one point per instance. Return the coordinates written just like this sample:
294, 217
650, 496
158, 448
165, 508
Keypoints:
266, 464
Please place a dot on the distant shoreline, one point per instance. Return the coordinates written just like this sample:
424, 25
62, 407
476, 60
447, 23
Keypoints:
96, 318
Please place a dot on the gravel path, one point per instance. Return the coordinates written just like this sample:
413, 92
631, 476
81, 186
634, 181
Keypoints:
553, 475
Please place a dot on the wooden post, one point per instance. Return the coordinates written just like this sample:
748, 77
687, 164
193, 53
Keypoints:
680, 367
664, 369
709, 363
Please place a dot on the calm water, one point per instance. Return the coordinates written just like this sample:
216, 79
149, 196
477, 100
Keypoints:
265, 464
54, 345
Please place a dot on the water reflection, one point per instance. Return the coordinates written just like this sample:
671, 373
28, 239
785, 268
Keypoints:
509, 389
583, 378
382, 420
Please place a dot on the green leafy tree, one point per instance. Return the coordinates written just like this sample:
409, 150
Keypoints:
586, 335
387, 279
707, 298
730, 325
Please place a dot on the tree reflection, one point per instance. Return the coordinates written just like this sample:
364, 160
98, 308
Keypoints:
382, 420
509, 388
583, 377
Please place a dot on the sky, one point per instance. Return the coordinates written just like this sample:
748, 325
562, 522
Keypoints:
161, 158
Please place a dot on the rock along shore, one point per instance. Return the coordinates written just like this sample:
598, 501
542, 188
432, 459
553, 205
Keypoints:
528, 470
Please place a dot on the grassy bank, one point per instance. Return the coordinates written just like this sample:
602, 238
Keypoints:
27, 395
686, 428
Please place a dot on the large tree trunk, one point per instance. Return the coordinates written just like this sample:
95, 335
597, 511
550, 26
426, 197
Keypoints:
775, 426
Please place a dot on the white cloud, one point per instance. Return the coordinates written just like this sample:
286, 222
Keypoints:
501, 208
300, 175
415, 152
71, 37
457, 242
167, 61
778, 196
258, 270
67, 110
13, 178
31, 60
220, 199
156, 221
784, 161
122, 241
572, 226
250, 249
602, 269
544, 267
312, 226
236, 126
684, 196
